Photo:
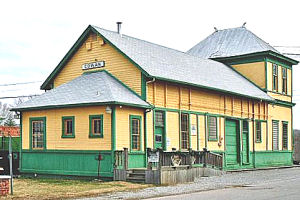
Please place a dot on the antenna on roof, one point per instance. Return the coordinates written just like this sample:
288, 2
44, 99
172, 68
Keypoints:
244, 25
216, 30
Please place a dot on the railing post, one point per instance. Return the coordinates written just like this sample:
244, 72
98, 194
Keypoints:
149, 165
190, 157
126, 158
204, 157
160, 163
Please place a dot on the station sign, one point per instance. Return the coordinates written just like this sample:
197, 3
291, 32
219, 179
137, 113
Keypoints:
93, 65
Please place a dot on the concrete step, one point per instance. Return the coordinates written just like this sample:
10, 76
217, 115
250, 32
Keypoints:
136, 179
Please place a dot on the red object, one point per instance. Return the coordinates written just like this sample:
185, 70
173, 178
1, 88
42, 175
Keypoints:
14, 131
99, 157
4, 187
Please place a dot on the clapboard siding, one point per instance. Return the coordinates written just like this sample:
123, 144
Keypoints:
115, 63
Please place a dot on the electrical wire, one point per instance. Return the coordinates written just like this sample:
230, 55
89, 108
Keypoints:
9, 84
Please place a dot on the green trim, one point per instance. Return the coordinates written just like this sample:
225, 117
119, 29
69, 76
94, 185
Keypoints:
131, 117
198, 137
190, 137
113, 129
80, 105
73, 50
143, 87
278, 63
266, 73
21, 140
240, 61
30, 131
210, 138
91, 134
257, 55
47, 83
145, 138
63, 126
284, 103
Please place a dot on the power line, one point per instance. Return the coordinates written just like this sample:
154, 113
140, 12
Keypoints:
22, 96
9, 84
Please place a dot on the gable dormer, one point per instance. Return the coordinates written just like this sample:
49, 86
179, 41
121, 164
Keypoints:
252, 57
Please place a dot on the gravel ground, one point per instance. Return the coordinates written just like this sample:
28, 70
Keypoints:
236, 179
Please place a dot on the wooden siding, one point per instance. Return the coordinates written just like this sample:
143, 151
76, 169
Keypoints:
281, 114
172, 130
253, 71
123, 126
115, 63
81, 141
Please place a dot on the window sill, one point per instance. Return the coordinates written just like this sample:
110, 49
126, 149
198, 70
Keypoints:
95, 136
68, 136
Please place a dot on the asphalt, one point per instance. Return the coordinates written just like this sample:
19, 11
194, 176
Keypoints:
275, 184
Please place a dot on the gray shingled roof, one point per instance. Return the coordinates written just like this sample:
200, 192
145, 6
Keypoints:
230, 42
165, 63
92, 88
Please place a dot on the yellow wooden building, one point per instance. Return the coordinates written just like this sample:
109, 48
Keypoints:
231, 94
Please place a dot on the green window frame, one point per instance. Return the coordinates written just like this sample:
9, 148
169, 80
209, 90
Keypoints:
37, 133
275, 77
96, 126
135, 126
285, 135
258, 131
284, 80
68, 127
212, 124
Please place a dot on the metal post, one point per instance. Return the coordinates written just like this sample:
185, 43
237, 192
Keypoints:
10, 166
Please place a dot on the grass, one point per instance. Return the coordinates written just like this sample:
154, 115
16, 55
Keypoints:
48, 188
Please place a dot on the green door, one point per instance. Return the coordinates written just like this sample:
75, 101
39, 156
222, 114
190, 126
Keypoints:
159, 132
245, 152
231, 142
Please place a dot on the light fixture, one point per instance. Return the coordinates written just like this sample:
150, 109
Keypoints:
108, 110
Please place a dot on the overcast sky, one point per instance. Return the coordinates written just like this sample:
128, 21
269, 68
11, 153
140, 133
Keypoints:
35, 35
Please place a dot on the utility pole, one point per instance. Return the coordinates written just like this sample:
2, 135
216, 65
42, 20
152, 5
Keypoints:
10, 166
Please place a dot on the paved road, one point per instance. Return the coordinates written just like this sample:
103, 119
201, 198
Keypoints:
288, 188
261, 184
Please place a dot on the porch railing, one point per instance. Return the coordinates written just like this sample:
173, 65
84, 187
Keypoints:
158, 158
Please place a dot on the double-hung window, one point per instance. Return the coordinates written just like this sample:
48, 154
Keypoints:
135, 130
284, 80
212, 128
68, 127
258, 131
275, 77
185, 131
285, 136
38, 133
275, 130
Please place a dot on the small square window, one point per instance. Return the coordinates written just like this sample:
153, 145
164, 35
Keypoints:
96, 126
68, 126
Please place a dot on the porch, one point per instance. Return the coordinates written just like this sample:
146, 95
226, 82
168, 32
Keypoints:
168, 167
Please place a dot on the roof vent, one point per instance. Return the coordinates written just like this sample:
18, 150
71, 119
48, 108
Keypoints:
119, 27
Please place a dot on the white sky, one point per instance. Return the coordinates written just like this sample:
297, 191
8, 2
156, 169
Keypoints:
35, 35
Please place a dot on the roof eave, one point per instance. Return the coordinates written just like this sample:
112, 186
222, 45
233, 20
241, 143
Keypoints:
257, 54
81, 104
